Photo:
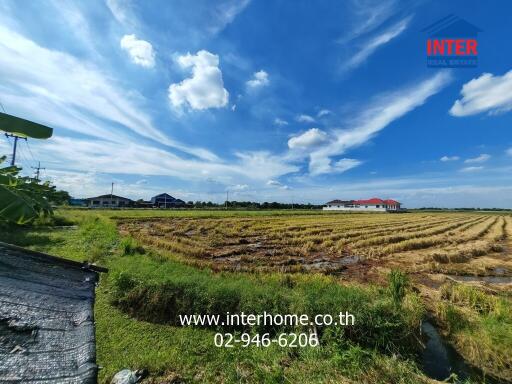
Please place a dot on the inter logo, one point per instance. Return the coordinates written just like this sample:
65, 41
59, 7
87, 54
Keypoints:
452, 43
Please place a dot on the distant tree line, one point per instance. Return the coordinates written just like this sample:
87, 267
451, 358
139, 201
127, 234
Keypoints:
251, 205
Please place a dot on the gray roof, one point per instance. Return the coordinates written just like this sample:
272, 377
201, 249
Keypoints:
108, 197
46, 318
163, 196
340, 202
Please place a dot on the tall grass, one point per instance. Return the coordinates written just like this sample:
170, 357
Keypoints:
398, 284
480, 325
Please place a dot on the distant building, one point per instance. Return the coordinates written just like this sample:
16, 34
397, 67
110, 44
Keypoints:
373, 205
108, 201
164, 200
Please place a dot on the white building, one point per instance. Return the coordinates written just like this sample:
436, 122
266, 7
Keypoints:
372, 205
108, 201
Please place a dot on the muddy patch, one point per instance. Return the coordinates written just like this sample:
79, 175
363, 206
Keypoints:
481, 279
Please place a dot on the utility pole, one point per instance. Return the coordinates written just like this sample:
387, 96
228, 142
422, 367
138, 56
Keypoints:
13, 159
38, 170
112, 195
227, 199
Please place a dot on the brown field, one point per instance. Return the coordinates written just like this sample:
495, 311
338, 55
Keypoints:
358, 246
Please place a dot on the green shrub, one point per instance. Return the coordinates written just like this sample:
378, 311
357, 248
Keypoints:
398, 283
129, 246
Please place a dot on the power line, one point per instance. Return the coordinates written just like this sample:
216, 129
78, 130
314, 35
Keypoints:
25, 162
30, 151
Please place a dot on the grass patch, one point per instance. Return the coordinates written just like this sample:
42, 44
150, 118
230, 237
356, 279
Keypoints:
480, 326
159, 292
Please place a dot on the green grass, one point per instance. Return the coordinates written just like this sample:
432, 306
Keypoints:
138, 300
398, 284
160, 291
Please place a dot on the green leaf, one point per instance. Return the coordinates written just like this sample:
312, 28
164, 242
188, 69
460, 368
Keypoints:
16, 208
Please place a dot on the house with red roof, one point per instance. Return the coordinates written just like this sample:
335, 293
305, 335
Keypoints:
372, 205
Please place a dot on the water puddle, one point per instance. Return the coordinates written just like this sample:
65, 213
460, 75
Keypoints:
439, 360
500, 271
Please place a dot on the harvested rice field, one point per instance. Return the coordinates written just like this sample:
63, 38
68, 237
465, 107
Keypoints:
358, 246
431, 291
458, 263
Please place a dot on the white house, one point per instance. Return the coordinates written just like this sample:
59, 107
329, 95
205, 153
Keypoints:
372, 205
108, 201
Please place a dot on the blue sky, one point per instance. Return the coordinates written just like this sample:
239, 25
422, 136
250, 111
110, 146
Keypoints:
270, 100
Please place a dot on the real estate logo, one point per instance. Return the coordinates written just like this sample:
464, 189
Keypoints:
452, 43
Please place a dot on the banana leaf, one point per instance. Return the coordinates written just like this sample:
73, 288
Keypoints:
22, 199
15, 207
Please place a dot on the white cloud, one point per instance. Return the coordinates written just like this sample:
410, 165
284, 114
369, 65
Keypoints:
309, 139
224, 14
278, 121
85, 100
368, 15
78, 184
77, 24
140, 51
323, 112
275, 183
370, 46
322, 165
487, 93
382, 112
131, 157
345, 164
305, 119
479, 159
86, 184
262, 164
90, 102
471, 169
259, 79
121, 11
205, 88
238, 187
509, 151
449, 158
